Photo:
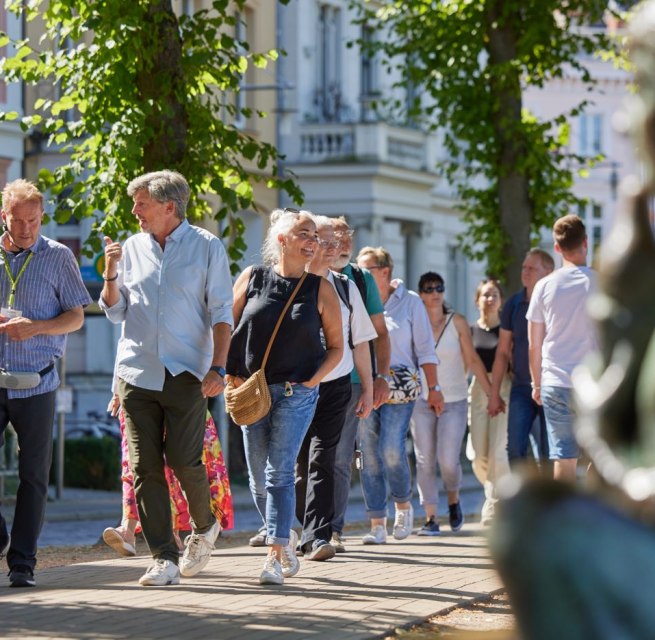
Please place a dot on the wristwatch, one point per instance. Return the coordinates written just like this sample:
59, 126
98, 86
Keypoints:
385, 376
219, 370
436, 387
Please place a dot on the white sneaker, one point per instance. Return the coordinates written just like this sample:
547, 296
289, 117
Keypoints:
289, 561
272, 573
161, 573
115, 538
404, 523
377, 535
199, 547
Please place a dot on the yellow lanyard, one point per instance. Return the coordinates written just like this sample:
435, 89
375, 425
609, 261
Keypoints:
14, 281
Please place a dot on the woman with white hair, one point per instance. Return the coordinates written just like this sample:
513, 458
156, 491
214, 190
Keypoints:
298, 362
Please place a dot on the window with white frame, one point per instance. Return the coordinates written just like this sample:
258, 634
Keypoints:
592, 216
369, 90
591, 134
328, 98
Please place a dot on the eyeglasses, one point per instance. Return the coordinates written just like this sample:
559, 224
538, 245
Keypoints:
345, 234
329, 244
437, 288
290, 210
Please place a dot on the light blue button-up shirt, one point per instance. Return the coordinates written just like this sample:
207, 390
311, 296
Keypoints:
169, 301
410, 331
50, 285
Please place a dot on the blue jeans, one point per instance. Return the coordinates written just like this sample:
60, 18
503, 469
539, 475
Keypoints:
522, 413
558, 409
343, 460
272, 445
382, 439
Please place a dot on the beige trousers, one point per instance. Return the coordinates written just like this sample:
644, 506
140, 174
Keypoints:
489, 441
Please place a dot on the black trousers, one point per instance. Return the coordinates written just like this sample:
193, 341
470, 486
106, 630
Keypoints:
315, 464
32, 419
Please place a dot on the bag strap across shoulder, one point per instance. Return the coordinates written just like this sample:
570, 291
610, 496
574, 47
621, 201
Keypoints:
279, 320
448, 319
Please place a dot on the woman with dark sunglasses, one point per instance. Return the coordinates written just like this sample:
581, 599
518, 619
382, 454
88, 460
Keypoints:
438, 439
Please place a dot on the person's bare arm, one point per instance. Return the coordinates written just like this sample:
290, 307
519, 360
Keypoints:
536, 335
330, 311
362, 358
496, 404
382, 359
23, 328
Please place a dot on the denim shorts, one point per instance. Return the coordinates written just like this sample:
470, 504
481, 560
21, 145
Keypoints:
560, 417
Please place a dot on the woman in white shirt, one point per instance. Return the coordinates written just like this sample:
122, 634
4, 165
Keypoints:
438, 439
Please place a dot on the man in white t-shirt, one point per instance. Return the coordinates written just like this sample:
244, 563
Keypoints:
561, 334
315, 467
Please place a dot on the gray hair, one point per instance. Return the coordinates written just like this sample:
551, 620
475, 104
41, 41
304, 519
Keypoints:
322, 221
164, 186
281, 222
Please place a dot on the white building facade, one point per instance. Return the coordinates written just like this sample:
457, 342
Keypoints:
351, 161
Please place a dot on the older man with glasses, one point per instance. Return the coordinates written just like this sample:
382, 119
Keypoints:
380, 356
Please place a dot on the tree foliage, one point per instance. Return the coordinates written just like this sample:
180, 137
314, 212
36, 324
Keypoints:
471, 61
138, 88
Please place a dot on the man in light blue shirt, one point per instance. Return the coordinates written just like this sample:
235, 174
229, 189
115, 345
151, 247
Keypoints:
42, 298
170, 287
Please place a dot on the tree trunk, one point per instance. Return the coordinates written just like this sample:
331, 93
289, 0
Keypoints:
161, 82
514, 205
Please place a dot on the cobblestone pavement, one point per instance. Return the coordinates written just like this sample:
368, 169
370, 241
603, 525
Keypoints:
361, 594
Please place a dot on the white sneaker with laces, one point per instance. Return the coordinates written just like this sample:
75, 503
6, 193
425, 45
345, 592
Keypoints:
289, 561
160, 574
404, 523
338, 543
377, 535
272, 573
199, 547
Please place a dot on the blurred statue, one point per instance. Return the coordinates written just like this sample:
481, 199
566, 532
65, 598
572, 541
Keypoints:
580, 562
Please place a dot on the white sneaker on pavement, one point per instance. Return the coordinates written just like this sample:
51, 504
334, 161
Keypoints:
115, 538
160, 574
199, 547
259, 539
289, 562
337, 542
272, 573
377, 535
403, 523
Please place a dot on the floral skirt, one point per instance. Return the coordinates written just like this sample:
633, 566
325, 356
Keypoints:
219, 483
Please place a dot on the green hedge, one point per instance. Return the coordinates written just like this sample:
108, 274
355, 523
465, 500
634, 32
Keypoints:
91, 463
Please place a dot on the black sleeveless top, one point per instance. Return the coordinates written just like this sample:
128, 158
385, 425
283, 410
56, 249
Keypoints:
297, 351
485, 343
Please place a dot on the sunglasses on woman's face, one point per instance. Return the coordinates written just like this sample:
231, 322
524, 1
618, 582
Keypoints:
437, 288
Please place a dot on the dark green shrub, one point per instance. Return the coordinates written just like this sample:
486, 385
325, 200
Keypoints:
91, 463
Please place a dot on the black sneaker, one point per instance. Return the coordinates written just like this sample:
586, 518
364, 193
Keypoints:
455, 516
430, 528
21, 576
320, 550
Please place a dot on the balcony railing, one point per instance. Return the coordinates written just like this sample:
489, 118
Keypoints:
366, 142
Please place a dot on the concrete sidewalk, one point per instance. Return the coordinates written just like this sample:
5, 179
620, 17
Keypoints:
361, 594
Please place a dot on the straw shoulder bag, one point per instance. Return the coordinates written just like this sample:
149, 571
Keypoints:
251, 401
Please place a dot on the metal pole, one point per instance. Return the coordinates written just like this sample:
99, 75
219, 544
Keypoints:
61, 433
